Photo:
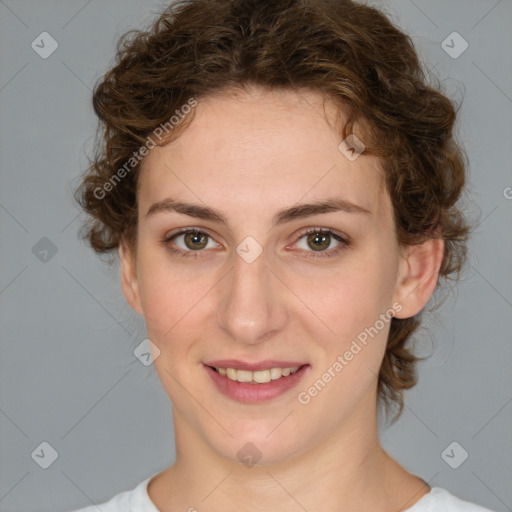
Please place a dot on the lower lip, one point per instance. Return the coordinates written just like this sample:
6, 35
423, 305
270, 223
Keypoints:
255, 393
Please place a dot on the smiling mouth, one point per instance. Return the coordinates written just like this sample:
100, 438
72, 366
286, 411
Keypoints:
256, 377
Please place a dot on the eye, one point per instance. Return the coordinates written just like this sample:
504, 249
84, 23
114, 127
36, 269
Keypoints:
189, 242
318, 240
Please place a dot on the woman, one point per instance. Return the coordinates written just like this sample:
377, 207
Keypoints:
280, 184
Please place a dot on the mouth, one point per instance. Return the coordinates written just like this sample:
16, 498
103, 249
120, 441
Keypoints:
253, 383
256, 377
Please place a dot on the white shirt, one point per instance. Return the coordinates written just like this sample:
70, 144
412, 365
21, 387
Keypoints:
138, 500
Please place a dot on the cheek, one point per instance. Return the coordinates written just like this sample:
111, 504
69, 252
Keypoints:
350, 303
350, 353
173, 301
348, 297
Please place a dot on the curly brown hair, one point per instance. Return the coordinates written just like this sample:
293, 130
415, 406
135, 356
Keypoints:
349, 53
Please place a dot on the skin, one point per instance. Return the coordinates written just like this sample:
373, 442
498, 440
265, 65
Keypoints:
250, 155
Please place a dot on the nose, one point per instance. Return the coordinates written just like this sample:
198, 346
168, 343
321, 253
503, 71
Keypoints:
253, 304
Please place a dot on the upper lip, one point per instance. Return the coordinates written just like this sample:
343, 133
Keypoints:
253, 367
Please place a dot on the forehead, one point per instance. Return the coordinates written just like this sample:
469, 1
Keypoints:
261, 148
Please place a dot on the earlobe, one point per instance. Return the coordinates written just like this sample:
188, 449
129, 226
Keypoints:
418, 275
129, 282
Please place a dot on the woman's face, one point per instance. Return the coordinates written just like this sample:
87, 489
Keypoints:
253, 286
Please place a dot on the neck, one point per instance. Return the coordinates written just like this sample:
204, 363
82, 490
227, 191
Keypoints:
348, 471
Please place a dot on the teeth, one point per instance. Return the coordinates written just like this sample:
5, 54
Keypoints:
260, 376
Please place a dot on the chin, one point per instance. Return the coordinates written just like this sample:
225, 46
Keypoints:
266, 446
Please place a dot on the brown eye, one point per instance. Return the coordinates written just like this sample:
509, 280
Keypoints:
195, 240
319, 241
190, 243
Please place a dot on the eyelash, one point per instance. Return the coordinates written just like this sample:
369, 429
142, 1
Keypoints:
343, 243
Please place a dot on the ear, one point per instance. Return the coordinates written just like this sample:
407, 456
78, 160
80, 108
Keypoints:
417, 275
129, 282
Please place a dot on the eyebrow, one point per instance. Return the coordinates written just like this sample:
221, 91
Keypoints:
300, 211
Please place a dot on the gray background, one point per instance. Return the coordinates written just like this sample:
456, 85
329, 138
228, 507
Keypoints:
68, 373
